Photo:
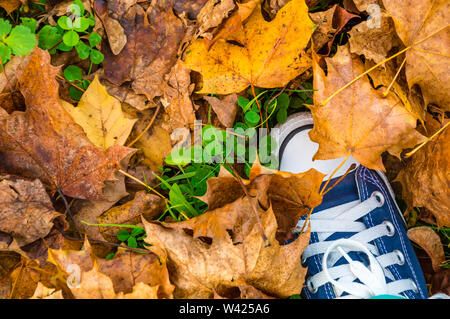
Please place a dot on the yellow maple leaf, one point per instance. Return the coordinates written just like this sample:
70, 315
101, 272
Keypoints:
269, 54
101, 117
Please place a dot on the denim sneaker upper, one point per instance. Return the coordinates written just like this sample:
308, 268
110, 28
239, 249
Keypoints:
359, 247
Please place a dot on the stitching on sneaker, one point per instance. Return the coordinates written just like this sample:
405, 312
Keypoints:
392, 212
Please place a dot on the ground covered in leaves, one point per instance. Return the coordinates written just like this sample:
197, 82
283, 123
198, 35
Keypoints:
97, 96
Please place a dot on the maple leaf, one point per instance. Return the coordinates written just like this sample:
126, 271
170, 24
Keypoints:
26, 210
425, 179
118, 275
198, 268
44, 142
270, 55
359, 120
101, 117
423, 25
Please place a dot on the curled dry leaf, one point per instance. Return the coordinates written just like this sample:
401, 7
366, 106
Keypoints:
426, 177
101, 117
271, 55
290, 195
43, 292
26, 211
212, 14
118, 275
359, 120
329, 24
177, 101
225, 108
148, 205
242, 257
427, 238
423, 24
233, 24
117, 38
374, 42
44, 142
153, 37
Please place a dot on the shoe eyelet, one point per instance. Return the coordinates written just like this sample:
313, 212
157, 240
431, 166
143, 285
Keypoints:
400, 256
390, 228
303, 259
415, 289
378, 197
312, 289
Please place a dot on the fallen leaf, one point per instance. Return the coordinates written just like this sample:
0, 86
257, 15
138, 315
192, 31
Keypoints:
359, 120
233, 24
10, 5
429, 241
117, 38
225, 108
271, 57
148, 205
26, 209
198, 268
101, 117
329, 23
177, 101
153, 37
374, 42
155, 144
426, 178
423, 24
43, 292
44, 142
118, 275
212, 14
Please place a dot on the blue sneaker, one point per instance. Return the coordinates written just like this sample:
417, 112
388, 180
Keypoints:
358, 246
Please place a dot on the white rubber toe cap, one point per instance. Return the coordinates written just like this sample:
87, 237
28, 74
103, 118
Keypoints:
295, 150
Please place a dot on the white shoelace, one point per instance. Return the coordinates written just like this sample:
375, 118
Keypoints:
372, 278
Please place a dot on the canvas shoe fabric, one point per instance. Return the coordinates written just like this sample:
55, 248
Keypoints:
358, 247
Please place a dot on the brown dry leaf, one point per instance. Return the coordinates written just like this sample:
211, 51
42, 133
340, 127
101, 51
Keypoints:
290, 195
10, 5
359, 120
440, 282
26, 277
12, 69
427, 62
120, 273
233, 24
147, 205
426, 177
117, 38
26, 211
374, 42
271, 56
225, 108
198, 268
44, 142
153, 37
177, 101
89, 210
43, 292
329, 24
212, 14
429, 241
